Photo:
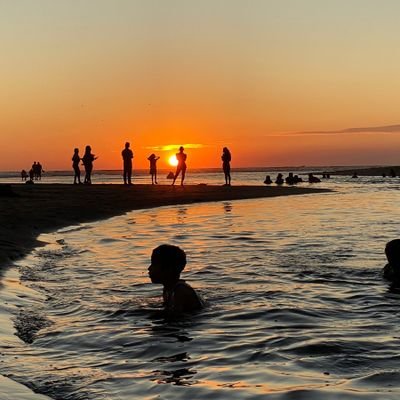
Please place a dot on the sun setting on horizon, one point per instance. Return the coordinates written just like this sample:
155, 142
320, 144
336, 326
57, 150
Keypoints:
173, 161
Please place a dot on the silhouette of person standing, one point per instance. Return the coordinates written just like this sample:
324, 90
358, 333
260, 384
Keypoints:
181, 167
87, 161
39, 170
226, 165
153, 168
75, 165
34, 169
127, 156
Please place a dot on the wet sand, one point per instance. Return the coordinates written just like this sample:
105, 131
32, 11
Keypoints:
39, 208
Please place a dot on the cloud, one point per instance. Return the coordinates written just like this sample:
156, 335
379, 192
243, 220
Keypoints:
170, 147
387, 129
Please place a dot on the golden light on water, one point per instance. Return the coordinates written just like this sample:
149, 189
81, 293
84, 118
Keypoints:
173, 161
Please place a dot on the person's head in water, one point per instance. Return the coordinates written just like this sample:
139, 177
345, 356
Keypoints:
391, 271
127, 145
167, 263
392, 251
181, 149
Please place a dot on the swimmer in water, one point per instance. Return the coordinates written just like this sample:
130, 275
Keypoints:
391, 271
167, 263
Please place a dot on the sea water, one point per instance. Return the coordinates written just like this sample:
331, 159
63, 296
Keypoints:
296, 304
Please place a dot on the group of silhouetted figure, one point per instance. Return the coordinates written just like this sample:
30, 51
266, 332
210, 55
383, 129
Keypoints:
35, 173
290, 179
127, 158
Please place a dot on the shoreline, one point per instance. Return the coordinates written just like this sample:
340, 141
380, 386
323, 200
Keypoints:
28, 210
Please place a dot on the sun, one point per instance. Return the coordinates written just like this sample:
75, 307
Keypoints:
173, 161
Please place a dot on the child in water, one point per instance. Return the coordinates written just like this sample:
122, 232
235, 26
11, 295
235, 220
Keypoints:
167, 263
391, 271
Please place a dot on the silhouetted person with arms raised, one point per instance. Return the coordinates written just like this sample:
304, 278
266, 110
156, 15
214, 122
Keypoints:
181, 167
391, 271
167, 263
268, 180
279, 179
153, 168
75, 165
226, 165
127, 156
87, 161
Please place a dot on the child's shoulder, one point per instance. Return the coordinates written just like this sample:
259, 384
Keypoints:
186, 297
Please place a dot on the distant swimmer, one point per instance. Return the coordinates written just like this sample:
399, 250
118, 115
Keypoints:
268, 180
355, 176
181, 167
153, 168
391, 271
127, 156
167, 263
226, 165
279, 179
313, 179
290, 179
87, 161
76, 159
392, 173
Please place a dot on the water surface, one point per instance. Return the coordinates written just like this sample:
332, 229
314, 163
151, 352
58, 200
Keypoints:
296, 306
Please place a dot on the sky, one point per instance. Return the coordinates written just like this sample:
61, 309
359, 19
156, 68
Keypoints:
278, 82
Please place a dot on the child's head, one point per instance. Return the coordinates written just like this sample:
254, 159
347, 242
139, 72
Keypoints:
167, 263
392, 251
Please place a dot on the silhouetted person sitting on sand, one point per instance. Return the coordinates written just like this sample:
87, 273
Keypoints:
153, 168
181, 167
127, 156
75, 165
226, 165
391, 270
279, 179
313, 179
167, 263
268, 180
87, 161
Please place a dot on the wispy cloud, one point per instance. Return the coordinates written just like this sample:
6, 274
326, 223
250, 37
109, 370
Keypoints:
170, 147
368, 130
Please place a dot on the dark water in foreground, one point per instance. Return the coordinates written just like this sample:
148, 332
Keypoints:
296, 308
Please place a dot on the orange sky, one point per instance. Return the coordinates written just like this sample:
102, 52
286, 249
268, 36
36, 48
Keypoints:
247, 75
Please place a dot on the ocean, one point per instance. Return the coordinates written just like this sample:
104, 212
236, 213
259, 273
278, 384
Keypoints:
296, 307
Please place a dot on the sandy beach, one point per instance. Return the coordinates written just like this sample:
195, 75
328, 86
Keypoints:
29, 210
